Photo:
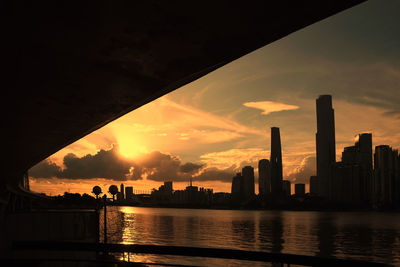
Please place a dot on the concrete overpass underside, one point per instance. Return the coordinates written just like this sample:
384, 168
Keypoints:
69, 68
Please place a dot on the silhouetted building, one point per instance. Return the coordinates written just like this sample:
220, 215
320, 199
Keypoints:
314, 185
168, 186
364, 149
351, 181
192, 196
276, 162
129, 193
396, 178
119, 196
300, 189
264, 177
287, 190
122, 190
237, 188
386, 168
325, 142
346, 183
248, 182
360, 155
163, 195
237, 184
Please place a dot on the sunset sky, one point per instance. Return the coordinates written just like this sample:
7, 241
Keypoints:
212, 127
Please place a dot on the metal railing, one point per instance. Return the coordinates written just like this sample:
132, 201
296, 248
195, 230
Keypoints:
232, 254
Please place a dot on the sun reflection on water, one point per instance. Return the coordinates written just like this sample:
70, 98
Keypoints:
365, 236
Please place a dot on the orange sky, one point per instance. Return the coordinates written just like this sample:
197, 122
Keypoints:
221, 122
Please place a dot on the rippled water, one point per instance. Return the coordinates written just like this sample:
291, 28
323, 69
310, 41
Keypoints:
358, 235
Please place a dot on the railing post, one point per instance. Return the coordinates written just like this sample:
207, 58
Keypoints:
105, 218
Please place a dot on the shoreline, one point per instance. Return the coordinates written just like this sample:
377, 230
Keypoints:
254, 209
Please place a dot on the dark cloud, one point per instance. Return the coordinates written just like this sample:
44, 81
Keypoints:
160, 167
302, 173
190, 167
104, 164
215, 174
108, 164
45, 169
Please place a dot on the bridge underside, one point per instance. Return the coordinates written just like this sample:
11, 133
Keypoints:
70, 68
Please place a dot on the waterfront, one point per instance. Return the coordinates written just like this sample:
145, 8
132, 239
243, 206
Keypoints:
357, 235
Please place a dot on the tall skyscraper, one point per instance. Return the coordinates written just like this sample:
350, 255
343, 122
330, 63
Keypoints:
325, 143
264, 177
248, 182
122, 191
276, 161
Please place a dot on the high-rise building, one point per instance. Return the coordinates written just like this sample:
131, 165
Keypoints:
351, 181
248, 182
122, 191
129, 193
264, 177
314, 185
361, 155
276, 161
237, 188
346, 183
325, 143
387, 176
237, 183
286, 188
299, 189
364, 148
363, 143
396, 177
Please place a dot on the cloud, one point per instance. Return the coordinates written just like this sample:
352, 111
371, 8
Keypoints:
215, 174
302, 173
104, 164
238, 156
190, 167
153, 123
45, 169
268, 107
158, 166
108, 164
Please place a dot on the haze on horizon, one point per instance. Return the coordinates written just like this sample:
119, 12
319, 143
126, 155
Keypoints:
212, 127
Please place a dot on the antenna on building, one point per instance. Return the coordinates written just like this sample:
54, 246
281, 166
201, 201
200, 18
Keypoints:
190, 182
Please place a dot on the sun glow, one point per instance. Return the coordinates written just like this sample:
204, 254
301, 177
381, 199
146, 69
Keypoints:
130, 147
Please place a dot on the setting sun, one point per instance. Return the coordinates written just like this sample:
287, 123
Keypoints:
130, 146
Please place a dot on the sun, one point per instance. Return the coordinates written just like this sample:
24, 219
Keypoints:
130, 147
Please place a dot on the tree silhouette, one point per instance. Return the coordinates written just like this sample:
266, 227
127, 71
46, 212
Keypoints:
97, 191
113, 190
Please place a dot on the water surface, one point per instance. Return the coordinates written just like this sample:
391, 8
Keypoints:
357, 235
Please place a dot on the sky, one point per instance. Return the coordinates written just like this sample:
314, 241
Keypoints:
209, 129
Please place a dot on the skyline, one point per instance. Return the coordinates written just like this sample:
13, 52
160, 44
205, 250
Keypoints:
223, 117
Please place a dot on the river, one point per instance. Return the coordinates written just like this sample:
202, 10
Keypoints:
357, 235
